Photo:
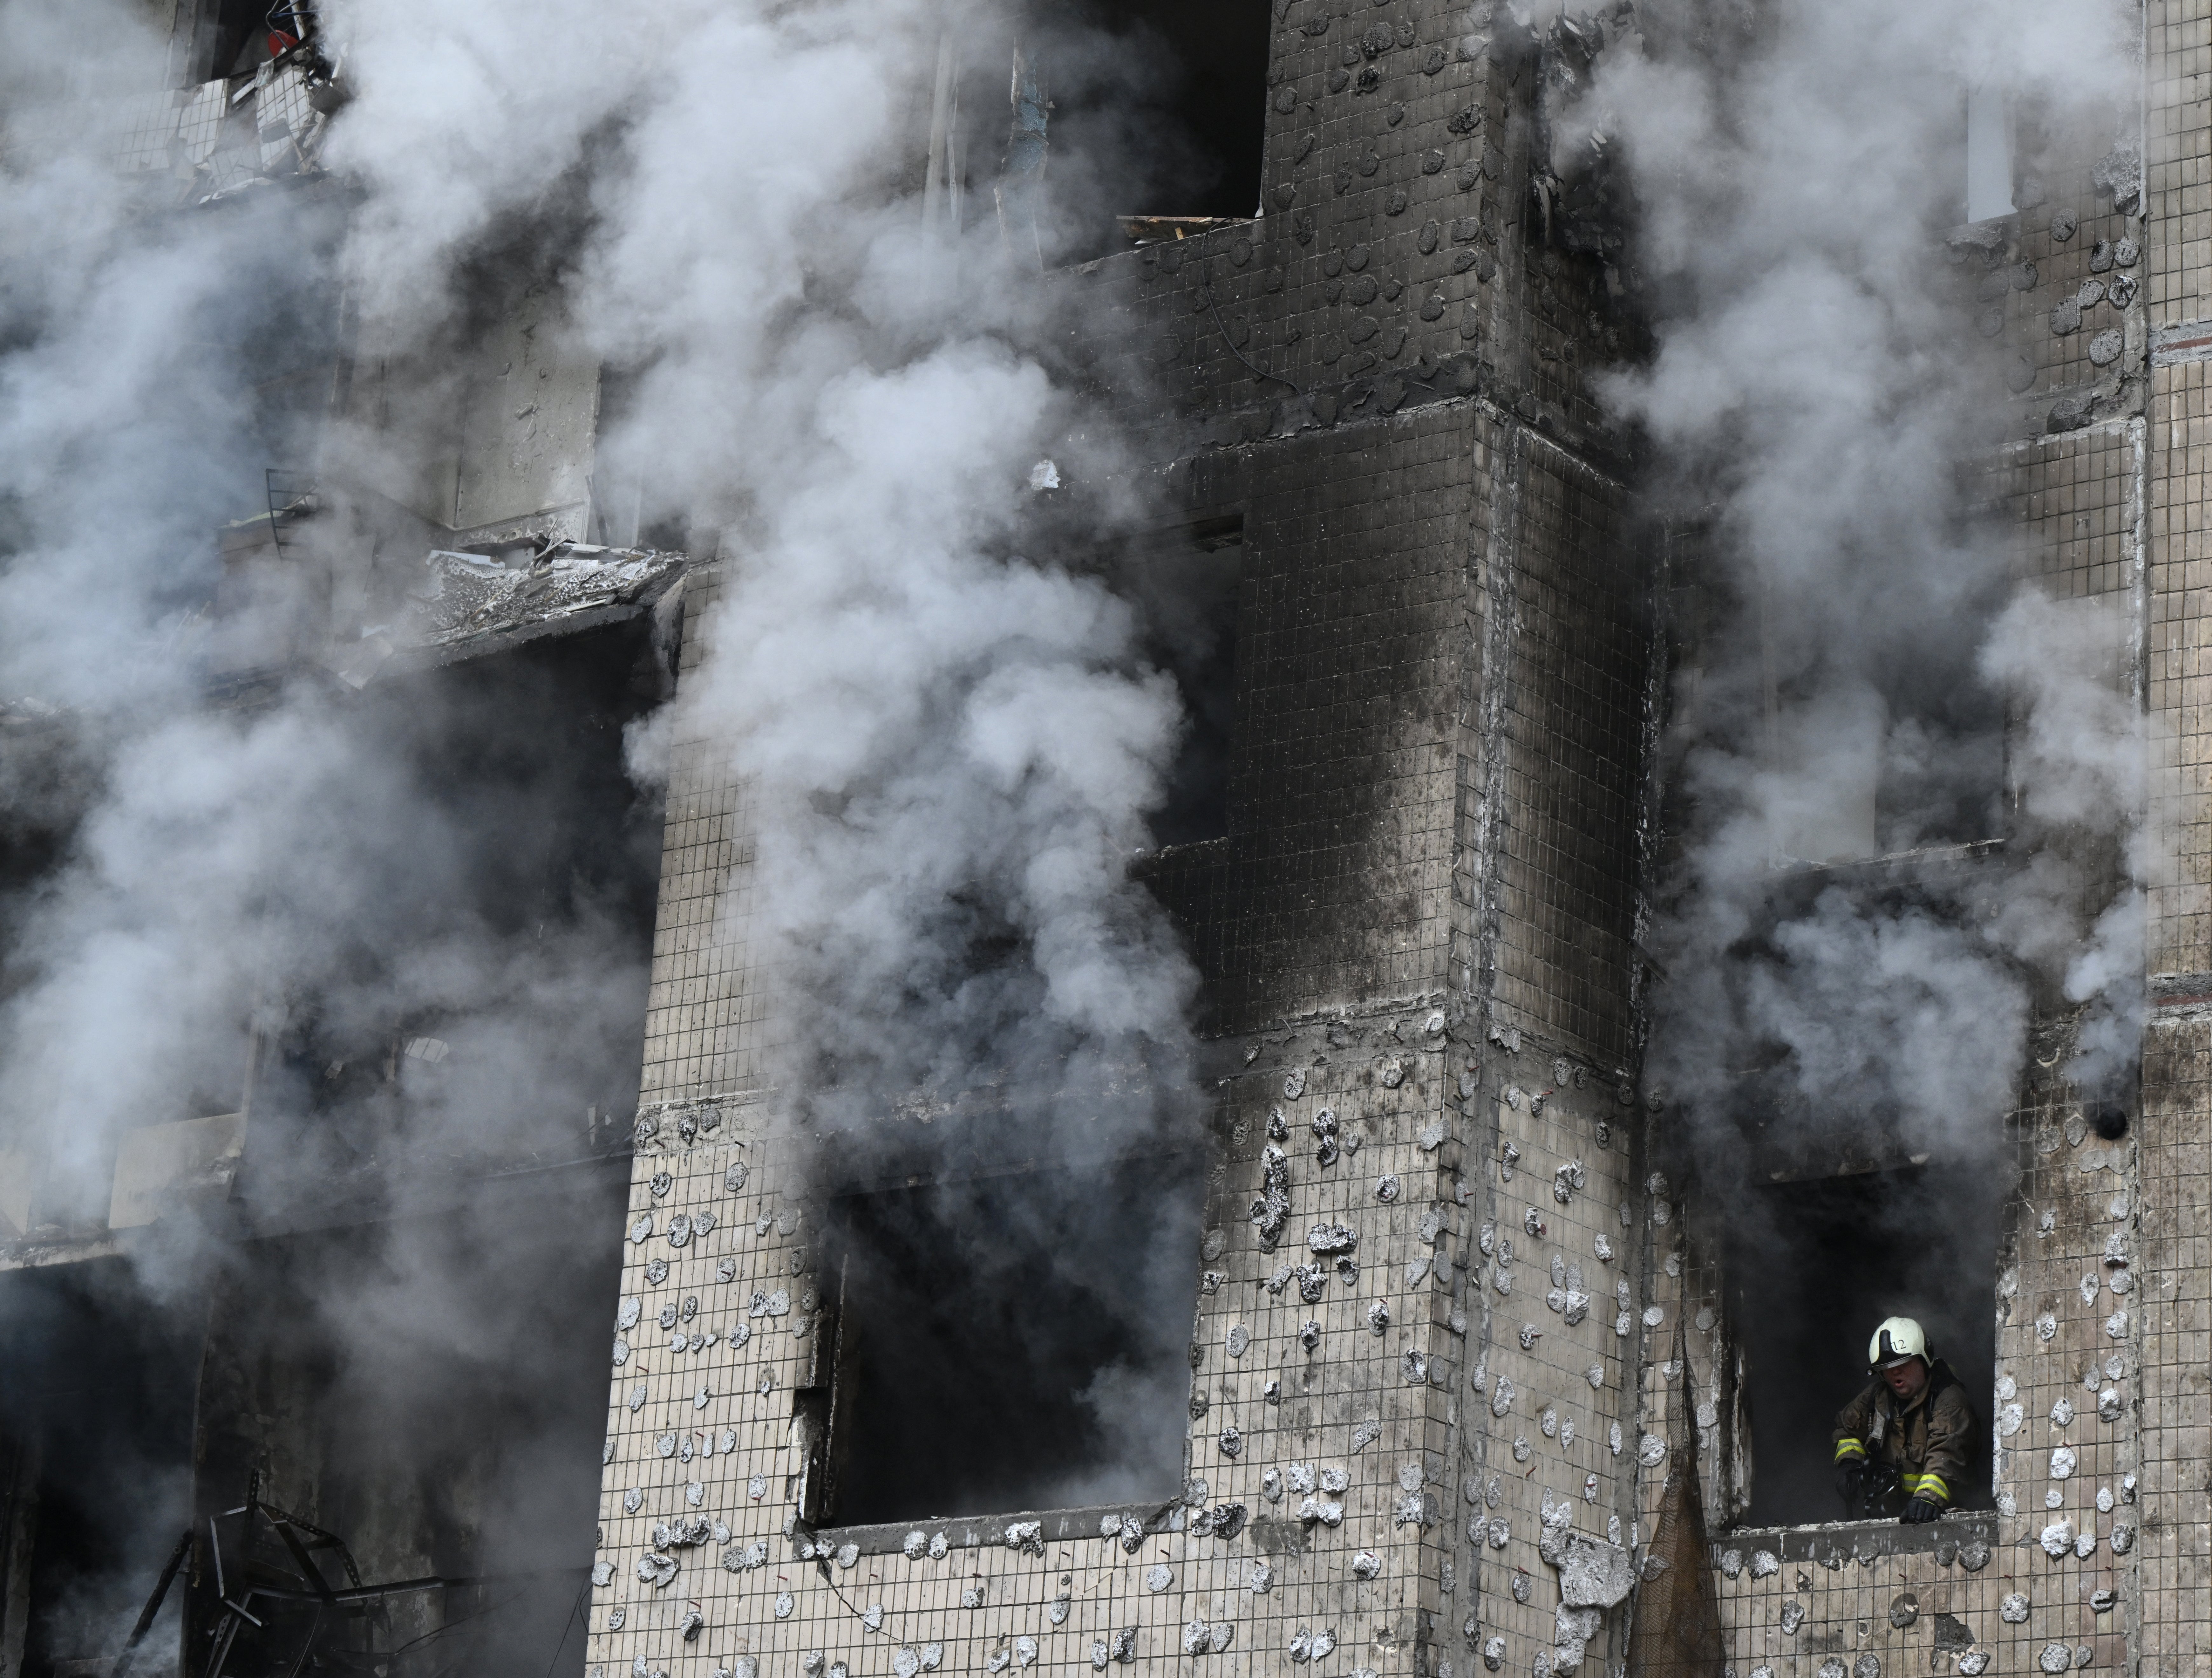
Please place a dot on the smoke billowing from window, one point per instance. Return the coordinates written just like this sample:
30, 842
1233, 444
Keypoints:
1873, 679
949, 732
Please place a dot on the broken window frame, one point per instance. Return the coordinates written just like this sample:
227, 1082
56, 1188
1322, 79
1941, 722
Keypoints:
1728, 1473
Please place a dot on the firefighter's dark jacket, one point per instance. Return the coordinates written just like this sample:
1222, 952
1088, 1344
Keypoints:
1927, 1440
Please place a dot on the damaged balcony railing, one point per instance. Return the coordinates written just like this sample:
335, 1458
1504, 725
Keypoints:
292, 501
215, 137
276, 1605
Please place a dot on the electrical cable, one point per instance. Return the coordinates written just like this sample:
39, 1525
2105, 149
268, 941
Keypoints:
583, 1591
1206, 279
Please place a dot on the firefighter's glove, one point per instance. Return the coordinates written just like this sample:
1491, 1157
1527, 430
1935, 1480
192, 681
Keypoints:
1919, 1510
1850, 1485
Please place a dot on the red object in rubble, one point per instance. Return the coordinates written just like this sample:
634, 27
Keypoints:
279, 43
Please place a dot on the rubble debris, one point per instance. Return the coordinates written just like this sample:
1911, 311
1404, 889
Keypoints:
465, 603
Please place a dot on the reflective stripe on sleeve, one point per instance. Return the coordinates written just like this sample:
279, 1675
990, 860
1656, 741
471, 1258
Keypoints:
1848, 1449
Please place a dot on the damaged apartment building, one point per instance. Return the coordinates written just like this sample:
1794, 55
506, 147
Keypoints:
1459, 1351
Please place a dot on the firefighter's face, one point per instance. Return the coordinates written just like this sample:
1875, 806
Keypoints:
1907, 1379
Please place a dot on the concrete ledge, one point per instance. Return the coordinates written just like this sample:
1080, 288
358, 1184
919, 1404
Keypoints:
1058, 1526
1864, 1541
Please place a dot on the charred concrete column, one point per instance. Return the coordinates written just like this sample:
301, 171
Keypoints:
1418, 1341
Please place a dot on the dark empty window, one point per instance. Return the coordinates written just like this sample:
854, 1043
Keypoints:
1080, 126
1013, 1341
95, 1416
1194, 107
1186, 582
496, 1003
1814, 1267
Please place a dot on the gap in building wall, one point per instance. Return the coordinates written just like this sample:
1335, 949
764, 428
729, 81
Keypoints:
1185, 583
1155, 121
1008, 1339
1816, 1266
522, 752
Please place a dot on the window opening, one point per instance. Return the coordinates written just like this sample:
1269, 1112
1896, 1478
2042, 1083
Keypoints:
1205, 102
95, 1417
546, 854
1912, 755
1814, 1267
1186, 582
1012, 1340
1989, 153
235, 36
1092, 125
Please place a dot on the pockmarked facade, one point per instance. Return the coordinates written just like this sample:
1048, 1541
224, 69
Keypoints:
1510, 1437
1467, 1391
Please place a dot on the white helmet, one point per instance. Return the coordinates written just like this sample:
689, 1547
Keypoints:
1898, 1340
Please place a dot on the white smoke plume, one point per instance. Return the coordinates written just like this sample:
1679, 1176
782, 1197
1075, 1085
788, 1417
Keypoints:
953, 735
946, 740
1877, 683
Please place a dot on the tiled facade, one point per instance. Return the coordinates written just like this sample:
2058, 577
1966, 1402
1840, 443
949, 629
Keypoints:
1423, 919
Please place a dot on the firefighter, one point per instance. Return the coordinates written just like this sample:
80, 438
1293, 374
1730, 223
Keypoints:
1908, 1434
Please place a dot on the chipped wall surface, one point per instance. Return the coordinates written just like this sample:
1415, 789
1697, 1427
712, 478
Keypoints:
1413, 1434
1509, 1435
2096, 1555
